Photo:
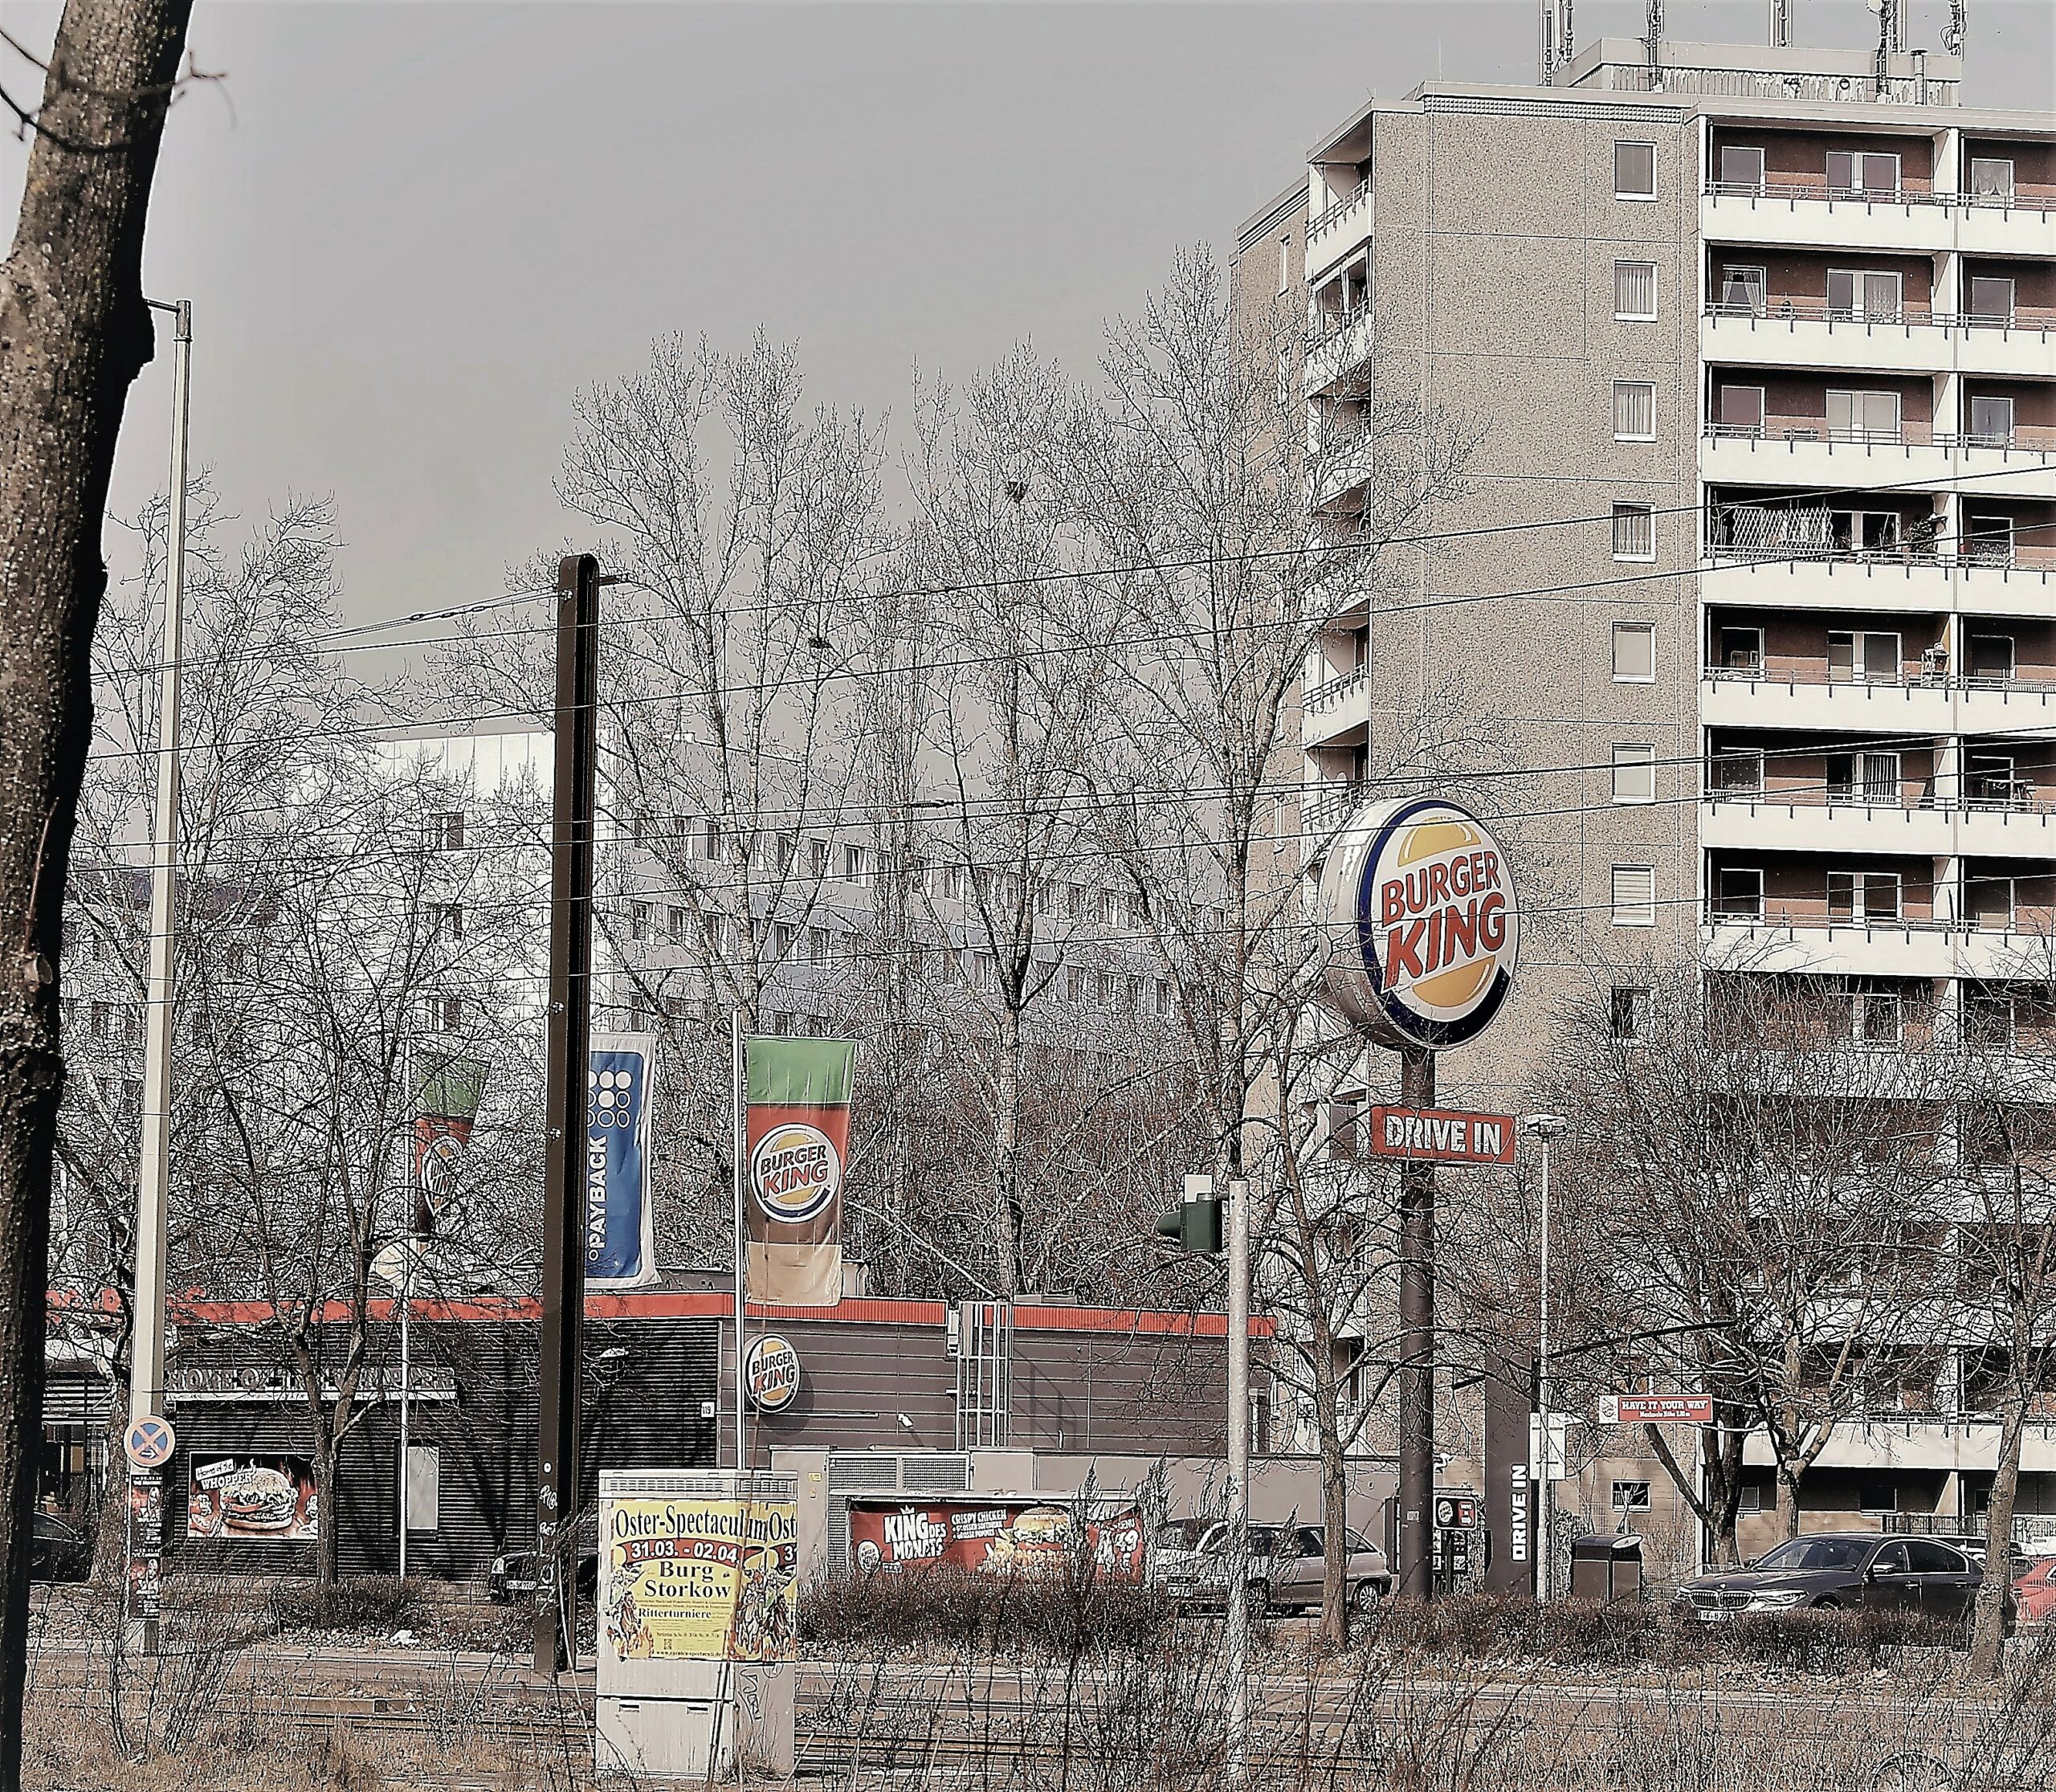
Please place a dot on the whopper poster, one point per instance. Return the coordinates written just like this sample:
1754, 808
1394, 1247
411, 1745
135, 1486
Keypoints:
253, 1498
701, 1580
797, 1139
620, 1243
1008, 1538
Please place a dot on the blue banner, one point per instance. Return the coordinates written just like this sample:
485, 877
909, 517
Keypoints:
621, 1248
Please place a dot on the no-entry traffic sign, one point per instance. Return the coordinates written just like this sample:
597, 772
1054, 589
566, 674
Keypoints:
150, 1442
1656, 1409
1446, 1135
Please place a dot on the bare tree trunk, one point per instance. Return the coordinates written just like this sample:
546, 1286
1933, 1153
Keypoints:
1990, 1631
1007, 1156
74, 333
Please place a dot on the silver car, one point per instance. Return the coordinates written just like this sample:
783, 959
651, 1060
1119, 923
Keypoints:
1285, 1563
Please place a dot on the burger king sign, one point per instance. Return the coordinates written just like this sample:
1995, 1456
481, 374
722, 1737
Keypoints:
1425, 923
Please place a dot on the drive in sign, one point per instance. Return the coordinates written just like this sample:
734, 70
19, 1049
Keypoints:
1656, 1409
1447, 1135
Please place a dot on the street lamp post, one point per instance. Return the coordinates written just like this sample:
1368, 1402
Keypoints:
1545, 1127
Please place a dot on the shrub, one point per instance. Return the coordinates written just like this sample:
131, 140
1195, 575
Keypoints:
379, 1602
958, 1608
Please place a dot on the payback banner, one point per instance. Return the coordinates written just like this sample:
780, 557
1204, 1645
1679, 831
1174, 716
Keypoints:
253, 1498
621, 1241
1021, 1538
689, 1579
796, 1138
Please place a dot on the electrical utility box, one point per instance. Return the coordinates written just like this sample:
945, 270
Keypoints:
698, 1623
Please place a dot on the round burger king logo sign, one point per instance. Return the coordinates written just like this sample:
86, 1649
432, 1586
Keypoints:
1421, 907
771, 1373
794, 1173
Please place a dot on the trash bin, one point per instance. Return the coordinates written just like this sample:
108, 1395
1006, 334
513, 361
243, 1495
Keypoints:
1606, 1568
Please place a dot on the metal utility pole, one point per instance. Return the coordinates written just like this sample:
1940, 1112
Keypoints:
1417, 1339
146, 1350
1545, 1127
1781, 24
739, 1147
569, 1047
1238, 1481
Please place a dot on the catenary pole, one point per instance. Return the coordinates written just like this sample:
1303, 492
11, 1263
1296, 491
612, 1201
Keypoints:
1239, 1479
569, 1059
1416, 1338
153, 1173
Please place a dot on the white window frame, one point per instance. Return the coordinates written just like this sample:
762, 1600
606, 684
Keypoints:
1637, 1010
1622, 314
1750, 785
1859, 162
1629, 512
1865, 416
1726, 184
1645, 632
1623, 193
1753, 916
1624, 392
1284, 264
1630, 908
1979, 314
1725, 425
1871, 1006
1988, 437
1755, 666
1630, 757
1625, 1498
1978, 190
1759, 304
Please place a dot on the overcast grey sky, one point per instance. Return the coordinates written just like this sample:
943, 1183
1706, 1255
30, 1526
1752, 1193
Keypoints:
423, 226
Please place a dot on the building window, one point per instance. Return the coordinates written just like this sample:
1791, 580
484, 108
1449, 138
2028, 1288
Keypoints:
1634, 411
1992, 178
1877, 1497
445, 922
1880, 1018
638, 920
1631, 1496
1868, 174
1990, 903
1634, 292
1739, 893
1865, 896
1741, 168
853, 864
1988, 1022
446, 832
818, 859
1753, 1498
1634, 171
1635, 532
1736, 772
1285, 264
1628, 1012
1634, 773
1742, 290
675, 925
1162, 999
1634, 895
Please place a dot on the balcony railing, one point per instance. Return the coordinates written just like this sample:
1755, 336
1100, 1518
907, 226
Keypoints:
1330, 324
1816, 676
1325, 807
1330, 692
1898, 196
1334, 210
2037, 440
2024, 320
2019, 798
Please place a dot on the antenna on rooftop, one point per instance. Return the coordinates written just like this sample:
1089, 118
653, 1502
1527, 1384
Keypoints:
1655, 32
1781, 24
1953, 38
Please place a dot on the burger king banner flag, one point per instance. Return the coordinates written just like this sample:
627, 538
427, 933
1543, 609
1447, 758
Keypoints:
796, 1138
446, 1106
621, 1243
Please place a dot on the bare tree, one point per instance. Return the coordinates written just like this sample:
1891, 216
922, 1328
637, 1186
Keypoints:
1767, 1189
74, 334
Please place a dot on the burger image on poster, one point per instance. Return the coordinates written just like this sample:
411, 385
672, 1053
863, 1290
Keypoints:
1423, 921
259, 1502
1035, 1540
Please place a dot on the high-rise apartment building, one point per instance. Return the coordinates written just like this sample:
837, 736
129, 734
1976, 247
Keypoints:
1752, 561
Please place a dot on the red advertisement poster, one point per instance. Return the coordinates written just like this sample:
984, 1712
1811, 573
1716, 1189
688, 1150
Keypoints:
240, 1499
1012, 1538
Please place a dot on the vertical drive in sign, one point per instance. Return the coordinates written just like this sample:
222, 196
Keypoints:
797, 1137
620, 1246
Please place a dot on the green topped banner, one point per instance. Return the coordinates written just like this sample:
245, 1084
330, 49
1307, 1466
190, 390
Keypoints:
446, 1106
797, 1139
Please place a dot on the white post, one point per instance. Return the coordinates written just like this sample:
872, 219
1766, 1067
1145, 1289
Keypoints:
740, 1148
146, 1345
407, 1312
1545, 1562
1238, 1481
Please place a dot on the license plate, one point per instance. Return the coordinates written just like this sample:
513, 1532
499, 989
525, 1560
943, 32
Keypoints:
1707, 1617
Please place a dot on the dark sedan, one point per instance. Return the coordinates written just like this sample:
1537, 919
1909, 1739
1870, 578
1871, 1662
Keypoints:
1839, 1570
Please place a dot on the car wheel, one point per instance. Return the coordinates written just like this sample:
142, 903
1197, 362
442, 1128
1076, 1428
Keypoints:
1830, 1603
1366, 1600
1912, 1773
1256, 1602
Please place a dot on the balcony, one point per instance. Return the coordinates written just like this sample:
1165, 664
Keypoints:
1917, 341
1344, 226
2022, 826
1901, 582
1729, 698
1338, 347
1342, 464
1918, 223
1337, 711
1324, 809
1803, 451
1912, 948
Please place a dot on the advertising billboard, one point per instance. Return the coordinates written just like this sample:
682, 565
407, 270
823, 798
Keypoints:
1424, 923
620, 1246
1009, 1538
253, 1498
694, 1578
797, 1141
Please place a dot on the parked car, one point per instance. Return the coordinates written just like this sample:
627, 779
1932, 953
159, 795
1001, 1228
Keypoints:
1174, 1561
513, 1576
1834, 1570
60, 1553
1285, 1568
2034, 1591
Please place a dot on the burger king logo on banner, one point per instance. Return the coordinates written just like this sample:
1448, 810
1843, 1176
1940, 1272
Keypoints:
794, 1173
1421, 905
771, 1373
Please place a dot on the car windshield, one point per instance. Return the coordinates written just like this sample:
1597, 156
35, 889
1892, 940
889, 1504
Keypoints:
1816, 1552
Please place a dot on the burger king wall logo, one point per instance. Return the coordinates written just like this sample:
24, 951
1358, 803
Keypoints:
794, 1173
771, 1373
1426, 924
